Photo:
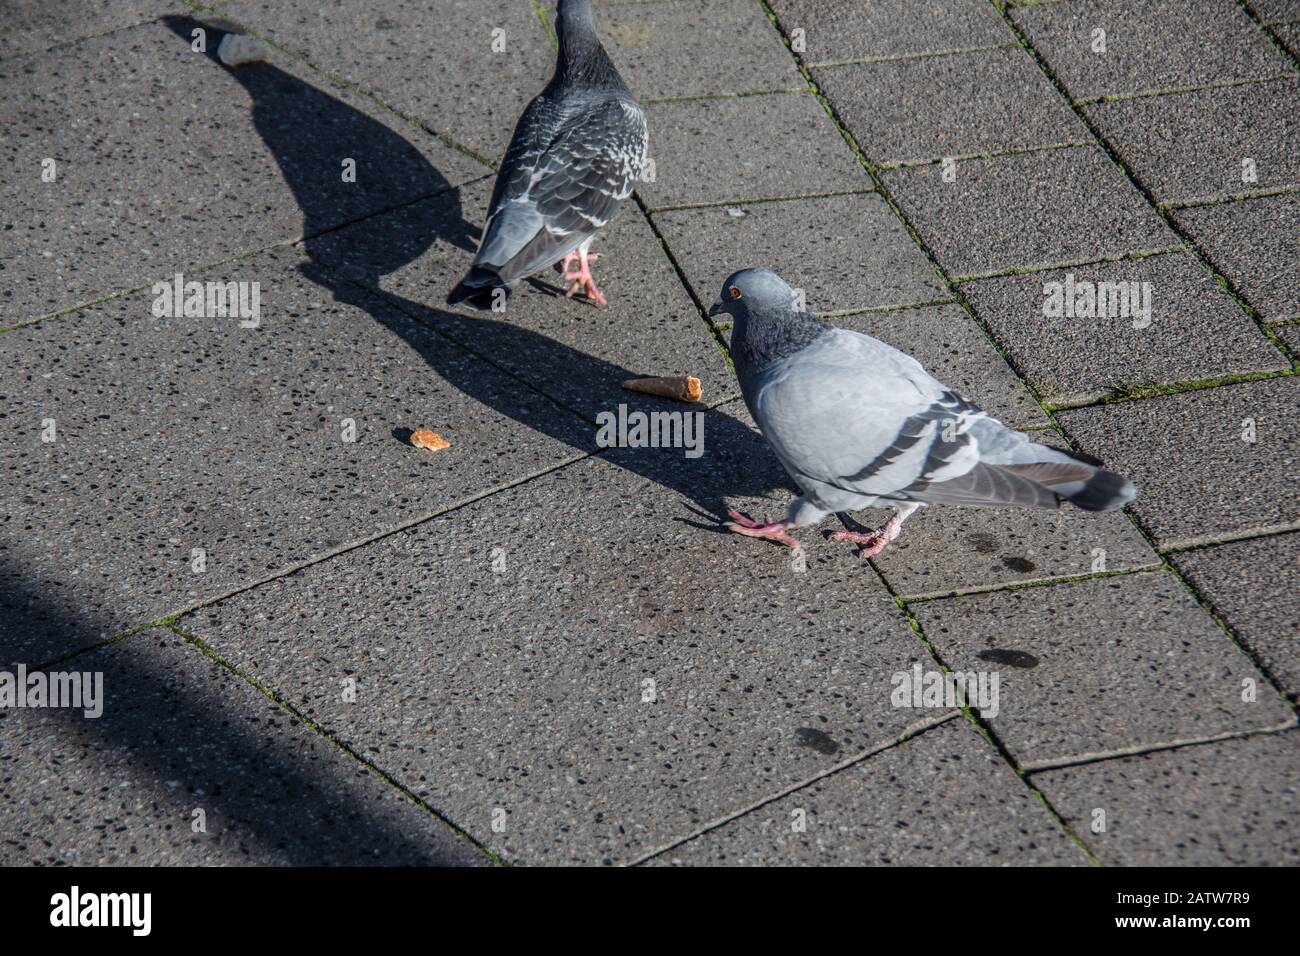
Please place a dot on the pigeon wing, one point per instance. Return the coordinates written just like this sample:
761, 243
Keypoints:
853, 414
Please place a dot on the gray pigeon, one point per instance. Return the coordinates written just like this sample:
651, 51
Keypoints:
859, 424
577, 152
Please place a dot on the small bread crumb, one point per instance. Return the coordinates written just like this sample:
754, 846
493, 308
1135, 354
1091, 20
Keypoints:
423, 438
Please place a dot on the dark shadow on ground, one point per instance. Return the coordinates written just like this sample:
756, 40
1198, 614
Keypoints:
307, 130
189, 741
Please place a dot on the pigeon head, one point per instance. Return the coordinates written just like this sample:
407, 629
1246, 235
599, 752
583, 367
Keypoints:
753, 289
770, 321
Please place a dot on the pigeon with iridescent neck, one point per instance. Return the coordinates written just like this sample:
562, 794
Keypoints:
859, 424
577, 152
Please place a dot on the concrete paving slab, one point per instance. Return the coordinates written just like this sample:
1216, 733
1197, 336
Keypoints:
577, 353
697, 48
967, 104
953, 348
1255, 243
190, 766
1232, 803
1040, 208
1209, 144
1160, 45
175, 434
30, 27
1255, 587
777, 146
253, 156
845, 252
1100, 666
945, 798
1191, 455
464, 68
836, 30
623, 678
1194, 330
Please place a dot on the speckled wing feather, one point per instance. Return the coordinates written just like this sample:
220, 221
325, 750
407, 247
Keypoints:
549, 201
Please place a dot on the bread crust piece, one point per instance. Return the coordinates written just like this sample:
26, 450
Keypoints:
423, 438
684, 388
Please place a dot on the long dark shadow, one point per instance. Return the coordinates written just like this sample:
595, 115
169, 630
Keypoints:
307, 130
173, 737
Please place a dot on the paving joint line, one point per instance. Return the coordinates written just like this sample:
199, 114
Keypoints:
896, 57
1177, 90
1142, 391
697, 97
1206, 605
1174, 205
969, 157
1137, 750
879, 309
294, 567
1134, 256
62, 44
931, 596
710, 326
723, 203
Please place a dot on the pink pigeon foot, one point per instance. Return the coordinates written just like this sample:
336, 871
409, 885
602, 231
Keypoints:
775, 530
873, 542
581, 277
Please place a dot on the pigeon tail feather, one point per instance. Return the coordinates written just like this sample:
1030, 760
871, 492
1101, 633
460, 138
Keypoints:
479, 289
1103, 491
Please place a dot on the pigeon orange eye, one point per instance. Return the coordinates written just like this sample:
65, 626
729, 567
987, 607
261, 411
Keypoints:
734, 292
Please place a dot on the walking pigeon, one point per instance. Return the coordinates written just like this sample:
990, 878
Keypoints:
577, 152
859, 424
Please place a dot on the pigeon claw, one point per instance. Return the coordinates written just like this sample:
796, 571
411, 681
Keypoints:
772, 530
588, 289
873, 542
578, 273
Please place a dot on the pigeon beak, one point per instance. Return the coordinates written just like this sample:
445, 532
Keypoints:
717, 308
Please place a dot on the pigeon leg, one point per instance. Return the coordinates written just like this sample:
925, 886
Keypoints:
874, 542
581, 277
572, 261
775, 530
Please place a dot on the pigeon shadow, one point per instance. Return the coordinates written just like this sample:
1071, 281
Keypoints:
307, 130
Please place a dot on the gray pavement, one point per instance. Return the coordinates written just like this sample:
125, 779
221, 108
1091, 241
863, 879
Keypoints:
321, 645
